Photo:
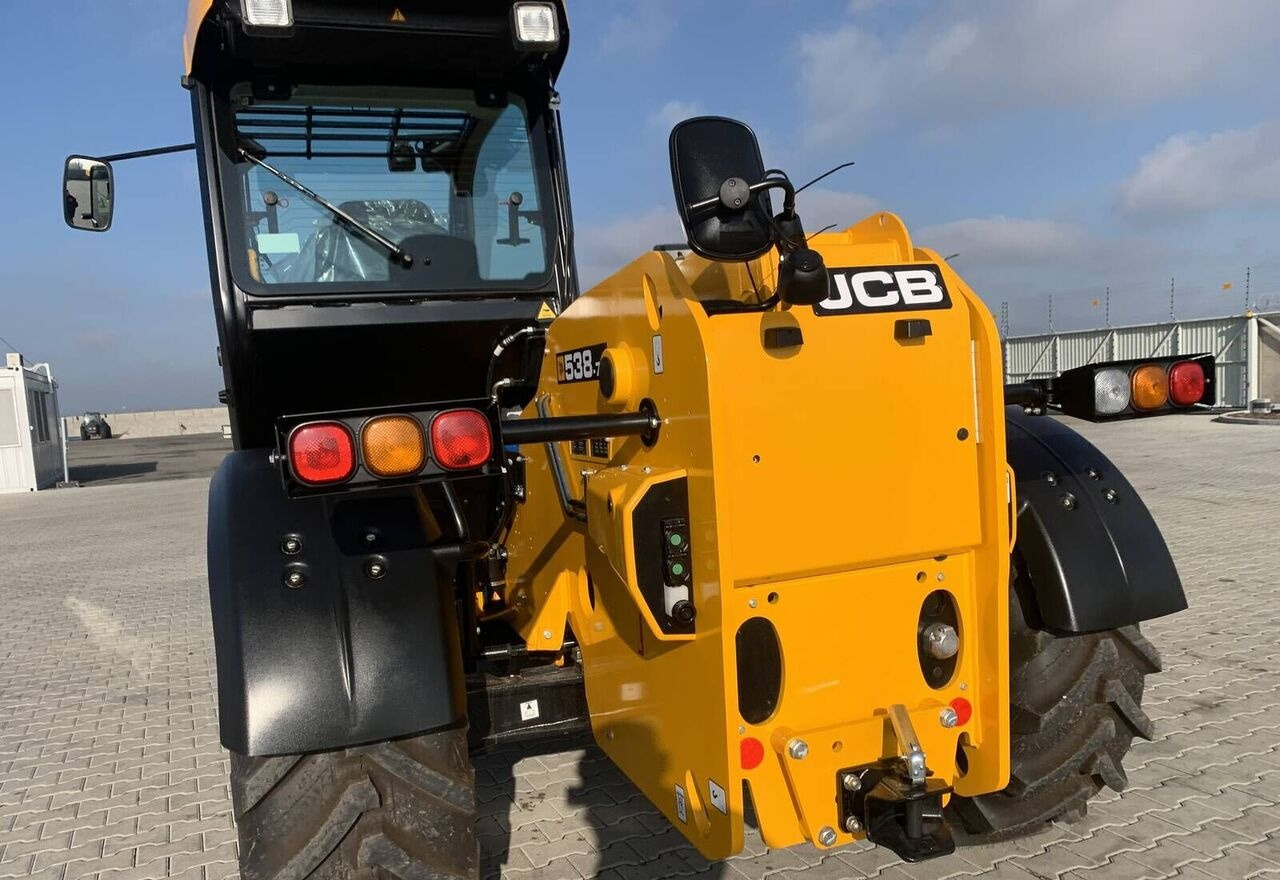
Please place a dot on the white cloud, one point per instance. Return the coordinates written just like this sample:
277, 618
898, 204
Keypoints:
645, 29
1192, 173
666, 116
966, 61
1007, 241
605, 248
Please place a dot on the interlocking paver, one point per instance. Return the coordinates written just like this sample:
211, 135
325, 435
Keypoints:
110, 766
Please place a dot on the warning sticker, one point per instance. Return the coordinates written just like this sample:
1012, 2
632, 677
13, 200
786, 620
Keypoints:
681, 809
398, 17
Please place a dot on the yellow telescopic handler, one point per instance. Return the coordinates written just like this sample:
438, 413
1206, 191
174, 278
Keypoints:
759, 512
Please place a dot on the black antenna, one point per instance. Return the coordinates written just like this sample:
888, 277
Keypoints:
824, 176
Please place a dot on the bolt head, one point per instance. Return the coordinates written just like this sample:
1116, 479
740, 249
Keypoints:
798, 749
752, 603
852, 825
375, 569
546, 634
295, 579
291, 545
942, 641
851, 782
1111, 496
827, 836
948, 717
370, 538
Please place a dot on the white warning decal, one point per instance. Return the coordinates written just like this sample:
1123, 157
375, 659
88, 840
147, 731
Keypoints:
682, 809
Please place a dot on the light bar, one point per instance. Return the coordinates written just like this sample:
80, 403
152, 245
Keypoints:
535, 26
268, 13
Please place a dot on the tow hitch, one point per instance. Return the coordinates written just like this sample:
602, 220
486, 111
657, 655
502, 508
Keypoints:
895, 801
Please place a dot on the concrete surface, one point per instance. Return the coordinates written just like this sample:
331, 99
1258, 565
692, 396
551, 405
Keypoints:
110, 764
158, 423
100, 462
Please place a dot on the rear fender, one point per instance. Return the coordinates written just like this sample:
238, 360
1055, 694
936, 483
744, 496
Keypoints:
1094, 555
343, 658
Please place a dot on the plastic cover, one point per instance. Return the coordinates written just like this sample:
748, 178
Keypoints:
334, 253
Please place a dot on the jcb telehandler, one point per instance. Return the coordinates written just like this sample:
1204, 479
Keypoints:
763, 516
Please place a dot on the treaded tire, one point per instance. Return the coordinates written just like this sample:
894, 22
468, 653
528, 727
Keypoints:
401, 809
1076, 705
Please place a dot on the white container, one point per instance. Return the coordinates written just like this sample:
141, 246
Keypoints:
30, 443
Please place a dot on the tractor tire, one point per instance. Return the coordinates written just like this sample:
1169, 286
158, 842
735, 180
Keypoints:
84, 434
399, 809
106, 432
1076, 705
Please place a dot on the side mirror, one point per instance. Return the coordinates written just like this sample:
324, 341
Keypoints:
87, 194
714, 163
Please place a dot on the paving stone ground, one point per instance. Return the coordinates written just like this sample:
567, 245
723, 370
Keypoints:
110, 765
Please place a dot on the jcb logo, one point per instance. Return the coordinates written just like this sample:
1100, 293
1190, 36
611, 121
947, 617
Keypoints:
885, 289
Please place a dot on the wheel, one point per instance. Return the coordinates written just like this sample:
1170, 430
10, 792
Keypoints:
401, 809
106, 431
84, 433
1076, 705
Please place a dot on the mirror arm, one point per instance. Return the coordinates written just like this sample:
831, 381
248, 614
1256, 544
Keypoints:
142, 154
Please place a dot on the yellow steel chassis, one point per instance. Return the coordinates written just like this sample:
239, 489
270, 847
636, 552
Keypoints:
832, 486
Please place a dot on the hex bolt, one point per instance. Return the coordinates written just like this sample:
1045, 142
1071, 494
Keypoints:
798, 749
294, 579
291, 545
375, 569
948, 717
1093, 473
370, 538
852, 825
546, 634
1067, 500
851, 782
1111, 496
827, 836
1050, 477
942, 640
752, 603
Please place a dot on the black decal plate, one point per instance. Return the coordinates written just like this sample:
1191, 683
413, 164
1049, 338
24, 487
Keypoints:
869, 289
579, 365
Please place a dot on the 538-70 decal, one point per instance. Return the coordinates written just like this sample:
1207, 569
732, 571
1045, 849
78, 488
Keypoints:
885, 289
579, 365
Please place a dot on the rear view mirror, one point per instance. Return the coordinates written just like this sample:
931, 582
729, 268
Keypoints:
713, 163
87, 198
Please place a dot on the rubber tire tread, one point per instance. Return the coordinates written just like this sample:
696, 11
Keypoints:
401, 809
1076, 705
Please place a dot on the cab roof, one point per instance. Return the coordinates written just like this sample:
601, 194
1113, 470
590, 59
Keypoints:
387, 16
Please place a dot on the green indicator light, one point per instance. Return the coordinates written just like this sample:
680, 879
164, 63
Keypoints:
676, 540
677, 569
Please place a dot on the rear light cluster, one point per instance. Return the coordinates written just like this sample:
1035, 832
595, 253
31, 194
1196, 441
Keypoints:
1135, 388
323, 453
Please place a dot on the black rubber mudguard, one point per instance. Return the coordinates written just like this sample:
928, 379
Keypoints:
345, 657
1094, 555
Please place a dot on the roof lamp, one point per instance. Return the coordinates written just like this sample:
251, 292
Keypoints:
268, 13
536, 26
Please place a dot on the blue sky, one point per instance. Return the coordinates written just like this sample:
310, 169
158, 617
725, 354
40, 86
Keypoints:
1060, 146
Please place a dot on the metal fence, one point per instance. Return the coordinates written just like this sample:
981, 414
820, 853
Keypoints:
1234, 341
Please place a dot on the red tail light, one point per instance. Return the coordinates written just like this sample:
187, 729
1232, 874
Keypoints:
322, 452
461, 439
1186, 383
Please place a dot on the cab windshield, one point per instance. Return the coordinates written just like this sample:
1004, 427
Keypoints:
459, 187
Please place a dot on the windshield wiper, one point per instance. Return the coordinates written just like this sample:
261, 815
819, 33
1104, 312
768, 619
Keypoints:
397, 253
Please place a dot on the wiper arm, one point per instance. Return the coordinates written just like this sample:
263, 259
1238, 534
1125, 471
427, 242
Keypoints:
397, 253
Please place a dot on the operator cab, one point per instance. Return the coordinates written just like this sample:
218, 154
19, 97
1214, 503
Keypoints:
385, 199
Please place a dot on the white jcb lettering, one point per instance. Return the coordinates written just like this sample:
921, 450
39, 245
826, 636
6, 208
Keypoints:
918, 286
875, 300
842, 298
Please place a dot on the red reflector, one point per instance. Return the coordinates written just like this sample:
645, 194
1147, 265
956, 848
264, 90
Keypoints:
1186, 383
322, 452
461, 439
963, 710
752, 753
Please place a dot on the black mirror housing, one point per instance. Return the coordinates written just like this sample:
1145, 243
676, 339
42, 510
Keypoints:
707, 153
88, 194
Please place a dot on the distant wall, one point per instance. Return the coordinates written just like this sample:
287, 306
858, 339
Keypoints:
162, 423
